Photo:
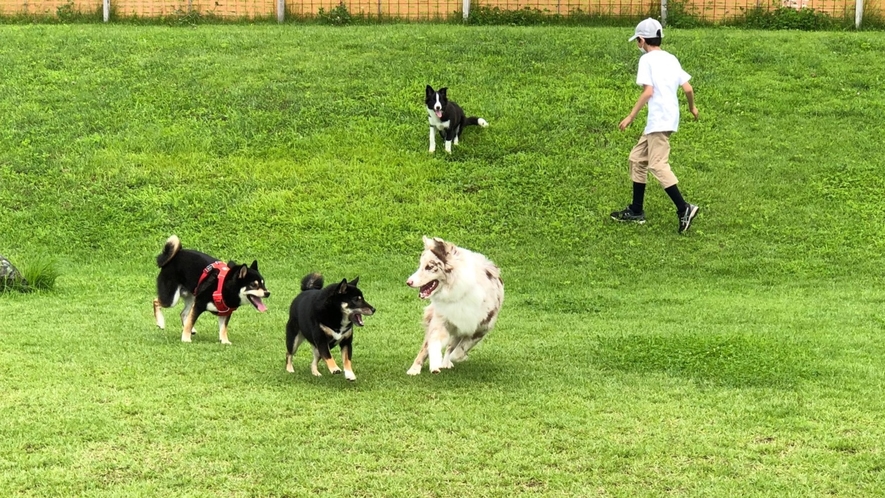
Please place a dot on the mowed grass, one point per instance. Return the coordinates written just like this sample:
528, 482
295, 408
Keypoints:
743, 359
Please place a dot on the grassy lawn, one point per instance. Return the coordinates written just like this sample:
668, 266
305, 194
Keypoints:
742, 359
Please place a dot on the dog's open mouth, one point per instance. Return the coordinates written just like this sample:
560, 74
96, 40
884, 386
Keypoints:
428, 288
438, 113
258, 303
357, 316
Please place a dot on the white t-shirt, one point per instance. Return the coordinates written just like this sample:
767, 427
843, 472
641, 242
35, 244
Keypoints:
662, 71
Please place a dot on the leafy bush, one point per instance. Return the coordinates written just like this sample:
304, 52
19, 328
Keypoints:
338, 16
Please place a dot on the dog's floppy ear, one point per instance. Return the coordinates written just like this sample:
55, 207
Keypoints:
355, 281
342, 287
254, 265
210, 281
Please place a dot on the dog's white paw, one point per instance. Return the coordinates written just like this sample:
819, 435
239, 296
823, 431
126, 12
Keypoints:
349, 375
185, 337
290, 369
434, 370
226, 342
482, 122
335, 372
414, 370
447, 364
431, 150
448, 147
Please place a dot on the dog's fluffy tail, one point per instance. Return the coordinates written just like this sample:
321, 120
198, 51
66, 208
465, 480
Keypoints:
173, 245
312, 281
475, 121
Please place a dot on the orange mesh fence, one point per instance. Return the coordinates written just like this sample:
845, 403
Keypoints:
707, 10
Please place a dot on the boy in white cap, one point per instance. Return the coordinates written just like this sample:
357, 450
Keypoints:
660, 76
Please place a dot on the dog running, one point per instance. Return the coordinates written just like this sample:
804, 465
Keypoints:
465, 292
206, 284
325, 318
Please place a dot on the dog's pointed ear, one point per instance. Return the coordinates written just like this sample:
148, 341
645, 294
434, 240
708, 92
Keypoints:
242, 273
210, 281
254, 265
428, 242
440, 249
342, 287
355, 281
442, 91
429, 90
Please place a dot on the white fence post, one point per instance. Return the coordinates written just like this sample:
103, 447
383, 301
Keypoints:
106, 10
465, 6
281, 11
858, 13
664, 12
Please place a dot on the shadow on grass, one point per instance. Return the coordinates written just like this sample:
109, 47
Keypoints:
724, 360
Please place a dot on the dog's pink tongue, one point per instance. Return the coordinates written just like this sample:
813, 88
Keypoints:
439, 114
259, 304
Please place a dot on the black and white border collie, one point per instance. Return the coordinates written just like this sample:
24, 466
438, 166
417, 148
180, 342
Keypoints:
447, 118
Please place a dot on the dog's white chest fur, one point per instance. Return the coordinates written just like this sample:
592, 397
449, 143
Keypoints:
436, 122
470, 296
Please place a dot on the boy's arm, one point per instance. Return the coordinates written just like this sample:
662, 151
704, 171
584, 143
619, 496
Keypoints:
644, 97
689, 96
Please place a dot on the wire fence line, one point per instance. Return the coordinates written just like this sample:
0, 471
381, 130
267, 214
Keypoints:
707, 10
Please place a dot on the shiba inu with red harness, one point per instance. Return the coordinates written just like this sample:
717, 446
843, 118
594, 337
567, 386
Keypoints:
205, 284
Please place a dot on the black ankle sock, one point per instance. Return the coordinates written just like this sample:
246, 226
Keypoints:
638, 197
676, 197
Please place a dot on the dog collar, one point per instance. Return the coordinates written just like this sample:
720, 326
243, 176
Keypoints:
217, 299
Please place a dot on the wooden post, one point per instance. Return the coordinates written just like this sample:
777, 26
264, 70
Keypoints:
663, 12
281, 11
465, 6
106, 10
858, 13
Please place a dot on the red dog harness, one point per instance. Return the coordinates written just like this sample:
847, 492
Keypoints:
217, 300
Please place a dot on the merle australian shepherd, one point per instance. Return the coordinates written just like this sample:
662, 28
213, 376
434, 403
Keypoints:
447, 118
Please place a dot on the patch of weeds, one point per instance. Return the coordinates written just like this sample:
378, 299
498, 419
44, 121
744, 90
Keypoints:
41, 273
684, 15
336, 16
778, 18
527, 16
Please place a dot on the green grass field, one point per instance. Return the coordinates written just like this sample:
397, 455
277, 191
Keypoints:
744, 358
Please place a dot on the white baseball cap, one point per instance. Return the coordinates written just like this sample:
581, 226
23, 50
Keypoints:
649, 28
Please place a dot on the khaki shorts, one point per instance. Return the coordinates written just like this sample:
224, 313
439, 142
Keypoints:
652, 153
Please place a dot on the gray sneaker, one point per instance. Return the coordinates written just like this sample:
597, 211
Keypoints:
628, 215
685, 220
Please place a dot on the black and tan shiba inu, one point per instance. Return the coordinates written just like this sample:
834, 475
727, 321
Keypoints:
324, 317
206, 284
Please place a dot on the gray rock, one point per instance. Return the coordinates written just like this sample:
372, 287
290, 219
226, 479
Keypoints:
10, 277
